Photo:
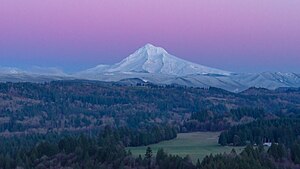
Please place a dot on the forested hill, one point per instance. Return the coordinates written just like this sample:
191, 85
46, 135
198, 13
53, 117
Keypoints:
86, 124
86, 105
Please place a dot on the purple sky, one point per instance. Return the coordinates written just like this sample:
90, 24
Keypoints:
235, 35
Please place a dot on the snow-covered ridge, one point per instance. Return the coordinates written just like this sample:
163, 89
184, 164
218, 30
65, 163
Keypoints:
155, 65
35, 70
10, 70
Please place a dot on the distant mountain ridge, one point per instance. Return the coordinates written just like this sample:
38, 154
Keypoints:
151, 64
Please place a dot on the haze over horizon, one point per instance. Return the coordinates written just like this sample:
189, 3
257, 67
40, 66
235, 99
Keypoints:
73, 35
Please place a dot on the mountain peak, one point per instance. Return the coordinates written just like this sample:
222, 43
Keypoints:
152, 50
149, 45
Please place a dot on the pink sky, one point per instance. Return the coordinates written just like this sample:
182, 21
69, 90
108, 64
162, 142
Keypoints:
236, 35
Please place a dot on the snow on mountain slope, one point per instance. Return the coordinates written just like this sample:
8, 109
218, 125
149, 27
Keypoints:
46, 71
10, 70
36, 74
156, 60
270, 80
92, 73
35, 70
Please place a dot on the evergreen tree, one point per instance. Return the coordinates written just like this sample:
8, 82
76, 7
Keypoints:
198, 164
148, 154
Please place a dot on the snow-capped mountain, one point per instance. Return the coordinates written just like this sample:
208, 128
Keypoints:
154, 60
156, 65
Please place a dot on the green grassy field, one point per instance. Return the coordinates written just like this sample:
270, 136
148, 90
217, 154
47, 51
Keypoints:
197, 145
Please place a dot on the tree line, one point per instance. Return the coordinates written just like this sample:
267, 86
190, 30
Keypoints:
284, 131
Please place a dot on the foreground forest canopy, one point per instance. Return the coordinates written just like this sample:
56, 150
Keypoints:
107, 151
88, 124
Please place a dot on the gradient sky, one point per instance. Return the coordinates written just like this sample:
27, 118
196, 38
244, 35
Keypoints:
235, 35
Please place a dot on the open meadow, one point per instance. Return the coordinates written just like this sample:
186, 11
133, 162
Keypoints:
196, 144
